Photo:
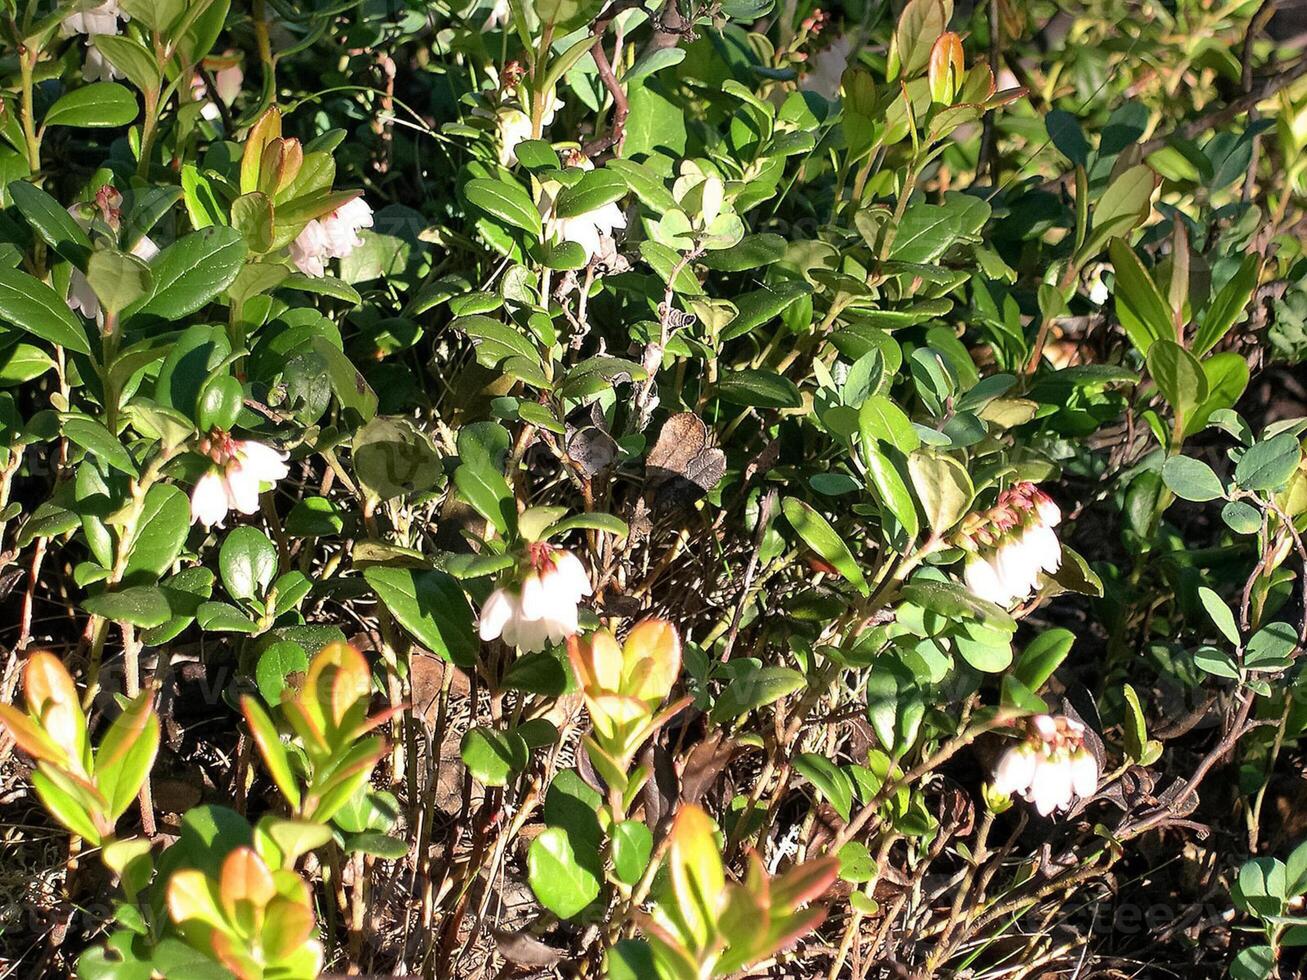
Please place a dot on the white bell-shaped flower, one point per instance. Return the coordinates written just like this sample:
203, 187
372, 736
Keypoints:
332, 236
592, 230
540, 610
93, 22
240, 469
1050, 767
1012, 546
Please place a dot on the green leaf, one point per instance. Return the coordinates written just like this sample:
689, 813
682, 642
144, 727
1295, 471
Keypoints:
631, 845
1228, 306
1140, 306
191, 272
488, 492
925, 233
31, 305
131, 59
393, 458
595, 189
818, 534
952, 601
248, 562
1134, 728
536, 673
1269, 464
1219, 613
758, 389
943, 488
160, 532
51, 221
1042, 656
890, 490
879, 418
986, 650
1271, 647
223, 617
493, 756
1124, 206
431, 606
587, 522
276, 665
1178, 374
598, 374
753, 251
92, 436
1191, 479
99, 104
505, 201
564, 881
1227, 378
537, 155
347, 382
835, 785
1065, 132
756, 688
141, 605
117, 279
1241, 517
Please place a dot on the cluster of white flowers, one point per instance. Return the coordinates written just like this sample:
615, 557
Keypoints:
593, 230
1012, 546
1050, 767
333, 236
539, 609
240, 468
108, 202
94, 21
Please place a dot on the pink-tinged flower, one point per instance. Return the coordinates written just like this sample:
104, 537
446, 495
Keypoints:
94, 21
1050, 767
332, 236
240, 469
539, 609
1012, 546
108, 202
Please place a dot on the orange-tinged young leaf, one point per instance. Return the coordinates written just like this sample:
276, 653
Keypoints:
610, 713
270, 748
30, 738
282, 159
52, 699
339, 681
946, 68
264, 130
804, 882
245, 889
288, 925
190, 899
652, 660
596, 661
127, 753
695, 869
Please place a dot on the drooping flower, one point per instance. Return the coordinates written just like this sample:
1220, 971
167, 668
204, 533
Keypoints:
1050, 767
239, 469
94, 21
108, 204
539, 608
591, 230
332, 236
1012, 546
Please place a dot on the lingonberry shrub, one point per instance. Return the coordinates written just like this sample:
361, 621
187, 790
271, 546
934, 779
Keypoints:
652, 488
